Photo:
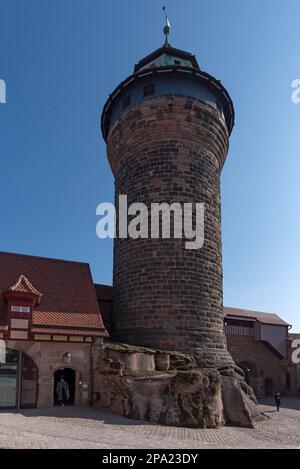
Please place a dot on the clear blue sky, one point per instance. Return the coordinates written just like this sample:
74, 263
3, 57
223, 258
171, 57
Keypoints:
61, 58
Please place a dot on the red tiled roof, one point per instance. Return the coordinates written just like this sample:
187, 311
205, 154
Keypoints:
294, 335
265, 318
49, 318
58, 331
103, 292
66, 286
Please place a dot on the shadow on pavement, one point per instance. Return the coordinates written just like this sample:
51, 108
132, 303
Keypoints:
106, 417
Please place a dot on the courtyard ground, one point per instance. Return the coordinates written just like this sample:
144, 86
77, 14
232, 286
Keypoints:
75, 427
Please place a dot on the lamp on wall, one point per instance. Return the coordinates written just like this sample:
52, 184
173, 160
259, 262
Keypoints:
67, 358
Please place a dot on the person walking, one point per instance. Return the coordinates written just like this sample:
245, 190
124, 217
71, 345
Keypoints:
277, 398
62, 391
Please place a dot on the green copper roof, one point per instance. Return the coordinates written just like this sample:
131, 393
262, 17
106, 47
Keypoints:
166, 56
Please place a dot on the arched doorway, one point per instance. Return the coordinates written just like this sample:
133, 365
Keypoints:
268, 387
250, 371
18, 381
246, 371
69, 376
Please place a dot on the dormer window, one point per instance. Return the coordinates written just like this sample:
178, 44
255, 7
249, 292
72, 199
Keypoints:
126, 102
20, 309
219, 107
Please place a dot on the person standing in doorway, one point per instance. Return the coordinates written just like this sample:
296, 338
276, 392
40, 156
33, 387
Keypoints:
62, 391
277, 398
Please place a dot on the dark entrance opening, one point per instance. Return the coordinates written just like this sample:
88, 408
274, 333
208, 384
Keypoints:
268, 387
246, 371
69, 376
250, 370
288, 381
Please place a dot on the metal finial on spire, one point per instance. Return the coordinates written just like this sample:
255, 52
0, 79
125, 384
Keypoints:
167, 27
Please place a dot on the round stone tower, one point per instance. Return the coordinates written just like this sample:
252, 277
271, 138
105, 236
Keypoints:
167, 128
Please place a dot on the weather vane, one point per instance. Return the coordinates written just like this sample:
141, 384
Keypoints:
167, 27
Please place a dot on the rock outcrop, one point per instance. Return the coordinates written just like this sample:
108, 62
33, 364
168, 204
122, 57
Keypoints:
168, 388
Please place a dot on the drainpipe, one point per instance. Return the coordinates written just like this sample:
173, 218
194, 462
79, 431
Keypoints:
91, 374
19, 381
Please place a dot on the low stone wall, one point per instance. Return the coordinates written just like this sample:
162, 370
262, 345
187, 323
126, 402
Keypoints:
122, 357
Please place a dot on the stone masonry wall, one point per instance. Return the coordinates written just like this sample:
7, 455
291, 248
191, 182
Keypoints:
170, 149
293, 369
261, 361
48, 357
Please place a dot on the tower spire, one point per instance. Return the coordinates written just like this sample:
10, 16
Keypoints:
167, 27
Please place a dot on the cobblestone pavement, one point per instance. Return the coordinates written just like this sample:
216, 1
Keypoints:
75, 427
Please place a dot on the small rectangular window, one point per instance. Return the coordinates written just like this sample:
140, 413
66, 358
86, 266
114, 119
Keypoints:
126, 102
149, 89
20, 309
177, 62
219, 107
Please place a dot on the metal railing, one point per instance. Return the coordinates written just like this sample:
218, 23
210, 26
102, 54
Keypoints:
238, 330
